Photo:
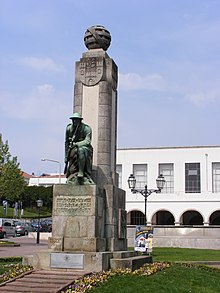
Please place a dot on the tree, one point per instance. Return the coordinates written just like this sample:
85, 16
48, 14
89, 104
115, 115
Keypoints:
32, 193
11, 181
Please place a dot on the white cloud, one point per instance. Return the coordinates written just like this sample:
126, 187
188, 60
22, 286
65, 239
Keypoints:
203, 97
45, 90
43, 103
134, 81
196, 89
42, 64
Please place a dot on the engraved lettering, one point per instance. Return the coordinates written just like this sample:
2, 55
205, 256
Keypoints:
76, 206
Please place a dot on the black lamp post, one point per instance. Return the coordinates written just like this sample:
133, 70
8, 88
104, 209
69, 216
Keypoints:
39, 205
160, 181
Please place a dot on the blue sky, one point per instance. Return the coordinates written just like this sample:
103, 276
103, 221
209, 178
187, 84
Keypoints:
167, 52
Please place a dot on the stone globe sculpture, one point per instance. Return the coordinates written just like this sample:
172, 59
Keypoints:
97, 37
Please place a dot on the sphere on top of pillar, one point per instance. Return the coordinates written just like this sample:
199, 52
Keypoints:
97, 37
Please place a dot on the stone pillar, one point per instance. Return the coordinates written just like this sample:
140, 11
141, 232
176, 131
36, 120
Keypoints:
95, 97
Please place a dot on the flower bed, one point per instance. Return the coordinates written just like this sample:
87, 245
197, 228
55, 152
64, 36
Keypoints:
87, 282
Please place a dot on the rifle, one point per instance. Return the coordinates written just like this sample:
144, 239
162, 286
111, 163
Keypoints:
70, 148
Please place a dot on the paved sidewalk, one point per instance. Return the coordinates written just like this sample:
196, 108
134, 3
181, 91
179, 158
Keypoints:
214, 264
45, 281
27, 247
41, 281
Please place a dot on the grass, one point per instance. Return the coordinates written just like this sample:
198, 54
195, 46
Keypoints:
178, 278
28, 213
6, 261
4, 243
175, 279
171, 254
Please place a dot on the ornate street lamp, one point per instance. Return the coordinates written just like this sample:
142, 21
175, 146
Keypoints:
54, 161
39, 203
160, 181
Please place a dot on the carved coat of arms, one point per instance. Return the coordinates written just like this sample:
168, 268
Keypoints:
91, 70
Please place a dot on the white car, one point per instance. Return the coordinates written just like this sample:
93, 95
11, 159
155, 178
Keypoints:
7, 226
23, 228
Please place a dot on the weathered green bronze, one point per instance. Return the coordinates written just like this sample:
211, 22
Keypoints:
78, 151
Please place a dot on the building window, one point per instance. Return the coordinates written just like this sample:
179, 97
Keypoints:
167, 171
137, 218
119, 171
140, 173
215, 177
192, 178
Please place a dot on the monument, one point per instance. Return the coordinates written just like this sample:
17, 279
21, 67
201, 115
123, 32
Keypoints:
89, 217
78, 152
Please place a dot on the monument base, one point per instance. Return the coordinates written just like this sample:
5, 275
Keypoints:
88, 218
86, 261
89, 225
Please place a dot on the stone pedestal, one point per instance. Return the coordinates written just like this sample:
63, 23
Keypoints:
78, 218
89, 224
87, 218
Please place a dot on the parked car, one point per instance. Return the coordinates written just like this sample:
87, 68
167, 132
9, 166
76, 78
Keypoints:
23, 228
47, 225
7, 227
44, 225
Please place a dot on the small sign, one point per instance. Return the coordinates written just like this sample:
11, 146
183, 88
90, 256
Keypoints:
67, 260
144, 239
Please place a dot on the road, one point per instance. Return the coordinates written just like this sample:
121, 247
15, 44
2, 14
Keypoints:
27, 247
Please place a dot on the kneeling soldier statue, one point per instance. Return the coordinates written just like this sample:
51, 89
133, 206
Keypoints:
78, 150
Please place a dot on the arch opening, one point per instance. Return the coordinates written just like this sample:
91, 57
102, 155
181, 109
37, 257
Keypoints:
163, 218
191, 218
214, 219
136, 218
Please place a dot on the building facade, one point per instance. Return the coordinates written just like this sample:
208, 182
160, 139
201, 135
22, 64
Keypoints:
191, 196
47, 180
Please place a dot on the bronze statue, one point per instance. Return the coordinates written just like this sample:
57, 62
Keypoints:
78, 150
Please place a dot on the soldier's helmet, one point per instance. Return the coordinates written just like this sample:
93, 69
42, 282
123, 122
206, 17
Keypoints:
76, 115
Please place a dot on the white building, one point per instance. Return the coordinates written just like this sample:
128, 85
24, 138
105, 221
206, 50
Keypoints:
47, 180
191, 195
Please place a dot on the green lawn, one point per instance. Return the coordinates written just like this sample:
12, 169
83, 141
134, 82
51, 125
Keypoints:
176, 279
28, 214
6, 262
184, 254
169, 273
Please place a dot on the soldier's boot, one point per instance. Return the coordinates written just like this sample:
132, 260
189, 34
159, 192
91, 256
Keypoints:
80, 174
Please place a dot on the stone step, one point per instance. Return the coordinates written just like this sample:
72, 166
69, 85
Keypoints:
132, 263
125, 254
41, 281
